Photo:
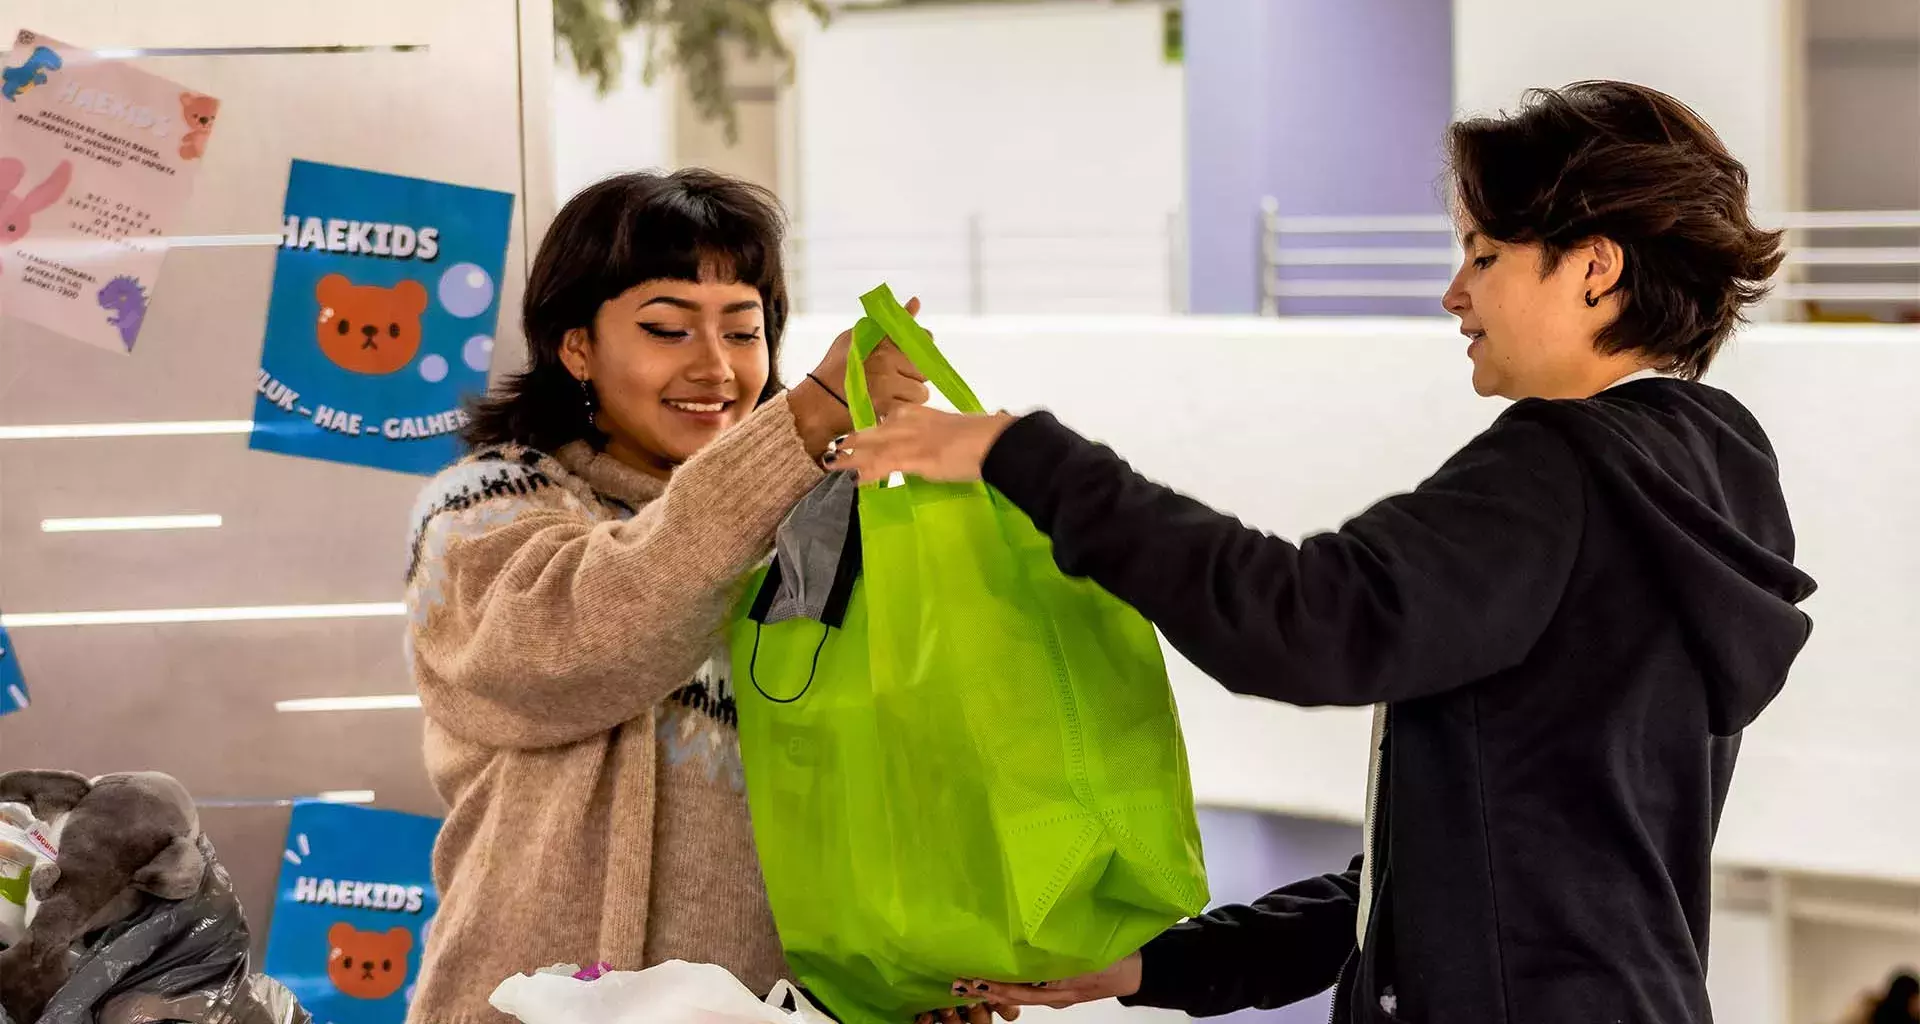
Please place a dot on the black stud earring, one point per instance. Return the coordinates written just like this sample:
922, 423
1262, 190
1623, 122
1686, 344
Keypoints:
1591, 301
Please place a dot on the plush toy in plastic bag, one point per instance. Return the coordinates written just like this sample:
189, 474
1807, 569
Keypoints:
675, 992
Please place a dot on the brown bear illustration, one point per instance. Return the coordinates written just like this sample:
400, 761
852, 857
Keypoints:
198, 111
368, 965
365, 328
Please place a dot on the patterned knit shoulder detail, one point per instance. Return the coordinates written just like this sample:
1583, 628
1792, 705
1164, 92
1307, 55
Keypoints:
503, 474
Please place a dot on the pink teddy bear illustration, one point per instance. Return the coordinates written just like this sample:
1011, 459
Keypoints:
16, 211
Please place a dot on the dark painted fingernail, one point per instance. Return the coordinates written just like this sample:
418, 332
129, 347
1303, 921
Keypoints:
1041, 984
842, 439
829, 458
959, 990
980, 986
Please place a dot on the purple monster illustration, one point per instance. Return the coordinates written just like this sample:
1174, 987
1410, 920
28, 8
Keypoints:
124, 297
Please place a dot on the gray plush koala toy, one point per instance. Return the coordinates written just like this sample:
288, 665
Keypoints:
123, 838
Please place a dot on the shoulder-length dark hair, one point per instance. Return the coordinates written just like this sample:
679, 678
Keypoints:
1632, 164
614, 235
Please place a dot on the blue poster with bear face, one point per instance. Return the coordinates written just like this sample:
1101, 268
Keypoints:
353, 910
386, 293
13, 686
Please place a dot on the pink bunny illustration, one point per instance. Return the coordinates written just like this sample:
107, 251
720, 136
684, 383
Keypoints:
16, 211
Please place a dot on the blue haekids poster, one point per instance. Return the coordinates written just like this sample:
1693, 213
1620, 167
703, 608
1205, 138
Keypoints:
386, 293
13, 686
352, 912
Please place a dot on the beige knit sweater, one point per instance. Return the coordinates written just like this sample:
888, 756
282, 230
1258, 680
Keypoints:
566, 613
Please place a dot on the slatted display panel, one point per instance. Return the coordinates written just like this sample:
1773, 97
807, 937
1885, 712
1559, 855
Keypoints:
427, 88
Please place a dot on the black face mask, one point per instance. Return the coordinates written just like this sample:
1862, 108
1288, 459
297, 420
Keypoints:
816, 558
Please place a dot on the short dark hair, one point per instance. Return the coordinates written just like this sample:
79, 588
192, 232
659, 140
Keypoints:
614, 235
1632, 164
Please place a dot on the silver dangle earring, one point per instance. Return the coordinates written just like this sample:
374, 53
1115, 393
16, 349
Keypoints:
586, 398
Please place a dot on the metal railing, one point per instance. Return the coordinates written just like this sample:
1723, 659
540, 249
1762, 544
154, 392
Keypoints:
1352, 236
976, 265
981, 265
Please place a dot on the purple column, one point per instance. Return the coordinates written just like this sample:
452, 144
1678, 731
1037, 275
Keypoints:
1227, 94
1333, 107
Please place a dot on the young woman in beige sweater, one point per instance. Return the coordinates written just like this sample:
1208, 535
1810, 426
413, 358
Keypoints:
569, 581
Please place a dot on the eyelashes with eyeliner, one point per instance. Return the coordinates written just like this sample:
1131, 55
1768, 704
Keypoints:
670, 334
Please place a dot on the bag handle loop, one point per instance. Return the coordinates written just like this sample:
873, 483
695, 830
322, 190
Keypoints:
887, 319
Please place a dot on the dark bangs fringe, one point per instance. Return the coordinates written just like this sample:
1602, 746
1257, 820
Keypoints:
614, 235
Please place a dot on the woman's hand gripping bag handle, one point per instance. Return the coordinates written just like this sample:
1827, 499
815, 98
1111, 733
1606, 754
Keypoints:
887, 320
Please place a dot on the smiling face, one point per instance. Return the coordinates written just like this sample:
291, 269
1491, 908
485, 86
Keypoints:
672, 364
1530, 328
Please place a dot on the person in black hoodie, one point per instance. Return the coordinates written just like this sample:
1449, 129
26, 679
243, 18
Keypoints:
1563, 631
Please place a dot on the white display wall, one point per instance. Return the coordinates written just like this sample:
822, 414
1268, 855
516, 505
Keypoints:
425, 88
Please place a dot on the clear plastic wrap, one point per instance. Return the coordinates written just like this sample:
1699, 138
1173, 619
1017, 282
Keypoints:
174, 961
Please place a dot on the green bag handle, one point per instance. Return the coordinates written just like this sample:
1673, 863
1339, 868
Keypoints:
886, 318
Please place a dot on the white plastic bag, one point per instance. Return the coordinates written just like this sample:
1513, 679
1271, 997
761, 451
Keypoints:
24, 843
675, 992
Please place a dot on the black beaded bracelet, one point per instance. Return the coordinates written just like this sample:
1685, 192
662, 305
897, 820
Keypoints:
828, 390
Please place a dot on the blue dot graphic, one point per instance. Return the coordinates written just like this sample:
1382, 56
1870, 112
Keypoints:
434, 369
466, 290
478, 353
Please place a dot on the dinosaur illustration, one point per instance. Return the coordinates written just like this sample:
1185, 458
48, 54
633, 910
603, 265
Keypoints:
16, 82
127, 301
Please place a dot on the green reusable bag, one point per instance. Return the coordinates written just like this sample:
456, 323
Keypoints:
979, 772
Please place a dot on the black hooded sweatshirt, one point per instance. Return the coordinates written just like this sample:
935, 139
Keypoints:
1569, 624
